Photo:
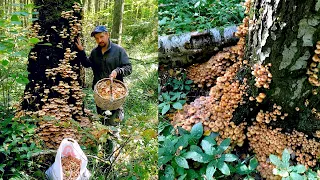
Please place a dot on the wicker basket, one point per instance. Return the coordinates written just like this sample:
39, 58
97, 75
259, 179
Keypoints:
107, 104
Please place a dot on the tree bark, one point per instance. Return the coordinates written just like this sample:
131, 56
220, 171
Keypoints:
54, 84
117, 21
285, 35
194, 47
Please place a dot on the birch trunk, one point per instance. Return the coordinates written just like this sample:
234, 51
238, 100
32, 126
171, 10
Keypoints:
284, 33
194, 47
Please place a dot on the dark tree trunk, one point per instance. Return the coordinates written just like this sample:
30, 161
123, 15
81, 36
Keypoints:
55, 89
196, 47
117, 21
285, 35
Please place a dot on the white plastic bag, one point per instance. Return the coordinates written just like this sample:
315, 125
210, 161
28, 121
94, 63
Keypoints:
68, 147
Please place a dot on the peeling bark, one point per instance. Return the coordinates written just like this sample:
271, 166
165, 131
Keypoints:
194, 47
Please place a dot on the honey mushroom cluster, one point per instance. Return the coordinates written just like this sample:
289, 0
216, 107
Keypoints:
247, 6
306, 150
61, 100
74, 23
34, 29
197, 111
227, 95
68, 55
259, 98
265, 141
205, 74
64, 33
118, 91
315, 111
313, 69
59, 108
70, 167
76, 7
215, 111
267, 117
242, 29
262, 75
33, 55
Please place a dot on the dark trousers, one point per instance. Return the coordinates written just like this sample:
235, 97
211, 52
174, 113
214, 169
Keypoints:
109, 120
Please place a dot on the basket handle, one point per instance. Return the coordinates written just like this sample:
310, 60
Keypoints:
111, 79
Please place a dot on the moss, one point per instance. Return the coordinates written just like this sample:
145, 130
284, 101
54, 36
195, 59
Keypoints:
306, 31
288, 55
297, 88
307, 122
317, 7
301, 63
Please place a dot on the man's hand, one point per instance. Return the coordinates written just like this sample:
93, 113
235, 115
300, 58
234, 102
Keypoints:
113, 74
79, 44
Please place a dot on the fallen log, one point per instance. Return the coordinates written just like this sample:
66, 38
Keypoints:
194, 47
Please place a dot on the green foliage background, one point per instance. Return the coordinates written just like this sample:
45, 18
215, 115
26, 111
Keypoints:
179, 16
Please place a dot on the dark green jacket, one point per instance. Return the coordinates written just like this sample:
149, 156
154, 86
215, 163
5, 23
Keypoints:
103, 64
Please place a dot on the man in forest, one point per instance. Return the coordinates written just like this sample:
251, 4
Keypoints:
106, 60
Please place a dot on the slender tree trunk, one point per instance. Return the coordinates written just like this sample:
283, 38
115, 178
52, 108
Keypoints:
97, 7
102, 5
9, 6
117, 20
2, 8
89, 6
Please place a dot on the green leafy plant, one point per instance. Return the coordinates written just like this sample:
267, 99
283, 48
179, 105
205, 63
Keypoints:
171, 99
17, 145
14, 48
177, 89
288, 172
242, 169
179, 84
181, 16
190, 155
